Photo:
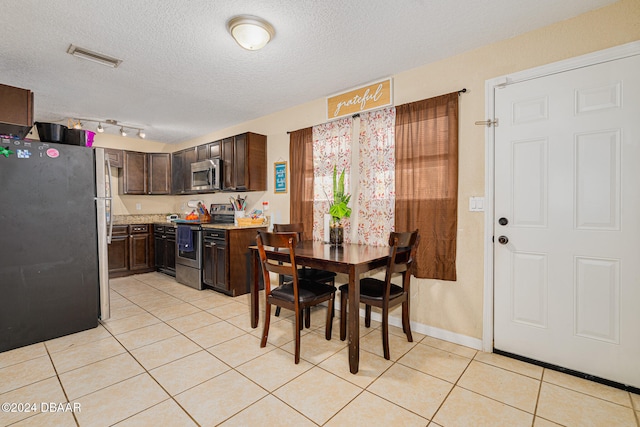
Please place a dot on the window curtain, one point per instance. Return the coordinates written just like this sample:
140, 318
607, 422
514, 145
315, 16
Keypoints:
376, 177
301, 179
331, 146
426, 134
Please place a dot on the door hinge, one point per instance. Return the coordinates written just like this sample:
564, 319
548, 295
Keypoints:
488, 123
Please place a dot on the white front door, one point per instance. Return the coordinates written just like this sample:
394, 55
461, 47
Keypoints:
567, 199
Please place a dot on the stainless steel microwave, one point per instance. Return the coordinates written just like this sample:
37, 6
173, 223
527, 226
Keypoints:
206, 175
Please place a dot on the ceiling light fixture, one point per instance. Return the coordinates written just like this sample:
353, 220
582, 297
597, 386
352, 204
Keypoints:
250, 32
90, 55
77, 124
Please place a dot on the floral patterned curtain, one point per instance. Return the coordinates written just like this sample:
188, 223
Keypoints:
376, 169
331, 147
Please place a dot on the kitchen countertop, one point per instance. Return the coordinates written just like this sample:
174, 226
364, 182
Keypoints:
231, 226
213, 225
139, 219
161, 219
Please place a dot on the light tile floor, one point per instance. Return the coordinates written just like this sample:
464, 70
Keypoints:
174, 356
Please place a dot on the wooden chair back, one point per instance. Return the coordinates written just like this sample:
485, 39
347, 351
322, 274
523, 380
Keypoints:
403, 251
273, 263
297, 227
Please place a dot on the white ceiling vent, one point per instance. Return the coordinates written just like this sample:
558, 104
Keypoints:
89, 55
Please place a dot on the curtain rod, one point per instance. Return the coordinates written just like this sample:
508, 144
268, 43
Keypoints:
460, 92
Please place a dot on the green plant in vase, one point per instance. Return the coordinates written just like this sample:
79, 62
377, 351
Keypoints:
339, 208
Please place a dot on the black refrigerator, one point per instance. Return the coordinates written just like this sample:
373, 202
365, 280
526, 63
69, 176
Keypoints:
54, 202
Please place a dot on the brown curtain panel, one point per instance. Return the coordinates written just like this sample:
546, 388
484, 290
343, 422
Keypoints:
301, 179
427, 181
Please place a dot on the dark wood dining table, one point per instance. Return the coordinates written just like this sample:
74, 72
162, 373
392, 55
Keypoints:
348, 258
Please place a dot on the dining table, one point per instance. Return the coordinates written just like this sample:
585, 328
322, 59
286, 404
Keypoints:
348, 258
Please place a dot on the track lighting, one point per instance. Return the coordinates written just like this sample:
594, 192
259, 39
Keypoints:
78, 124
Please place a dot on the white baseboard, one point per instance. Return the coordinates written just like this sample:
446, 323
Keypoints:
431, 331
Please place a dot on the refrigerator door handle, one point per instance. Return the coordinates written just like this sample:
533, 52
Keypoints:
109, 198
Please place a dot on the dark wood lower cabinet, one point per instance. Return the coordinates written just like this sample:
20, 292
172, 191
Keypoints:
131, 250
119, 251
227, 259
164, 237
140, 245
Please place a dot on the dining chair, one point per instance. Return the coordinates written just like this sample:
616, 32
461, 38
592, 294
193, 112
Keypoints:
383, 293
297, 295
307, 273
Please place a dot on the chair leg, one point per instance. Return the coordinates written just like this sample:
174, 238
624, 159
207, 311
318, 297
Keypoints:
385, 333
367, 315
297, 327
332, 282
329, 326
265, 330
280, 282
307, 317
343, 316
406, 325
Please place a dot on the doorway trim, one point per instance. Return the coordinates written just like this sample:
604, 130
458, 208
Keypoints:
610, 54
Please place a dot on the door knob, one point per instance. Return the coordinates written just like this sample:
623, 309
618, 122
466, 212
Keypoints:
503, 240
503, 221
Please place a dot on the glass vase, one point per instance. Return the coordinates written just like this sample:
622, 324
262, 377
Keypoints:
336, 233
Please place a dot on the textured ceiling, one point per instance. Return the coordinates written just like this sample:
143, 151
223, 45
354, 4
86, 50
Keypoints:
183, 76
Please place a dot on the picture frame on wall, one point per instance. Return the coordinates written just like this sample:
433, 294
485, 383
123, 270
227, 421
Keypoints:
280, 177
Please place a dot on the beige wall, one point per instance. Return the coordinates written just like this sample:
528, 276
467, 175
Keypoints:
455, 307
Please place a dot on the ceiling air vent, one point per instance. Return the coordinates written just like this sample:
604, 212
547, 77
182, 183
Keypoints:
89, 55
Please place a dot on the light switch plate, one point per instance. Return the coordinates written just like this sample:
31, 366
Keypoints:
476, 204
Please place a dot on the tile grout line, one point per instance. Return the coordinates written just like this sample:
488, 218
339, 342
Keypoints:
535, 408
450, 391
171, 397
204, 349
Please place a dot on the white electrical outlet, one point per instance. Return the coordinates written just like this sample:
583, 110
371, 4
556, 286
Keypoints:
138, 206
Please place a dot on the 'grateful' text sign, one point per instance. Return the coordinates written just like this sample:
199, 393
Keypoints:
366, 98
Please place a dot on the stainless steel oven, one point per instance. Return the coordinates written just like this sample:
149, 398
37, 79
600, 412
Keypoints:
189, 262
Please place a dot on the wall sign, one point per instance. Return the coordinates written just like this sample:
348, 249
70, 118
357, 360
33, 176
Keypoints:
280, 177
370, 97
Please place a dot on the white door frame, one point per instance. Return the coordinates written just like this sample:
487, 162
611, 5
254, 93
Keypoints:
611, 54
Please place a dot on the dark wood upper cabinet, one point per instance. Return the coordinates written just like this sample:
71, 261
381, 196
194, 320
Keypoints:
244, 160
190, 156
133, 175
114, 157
145, 173
228, 181
202, 152
215, 149
181, 170
177, 172
159, 173
208, 151
16, 106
